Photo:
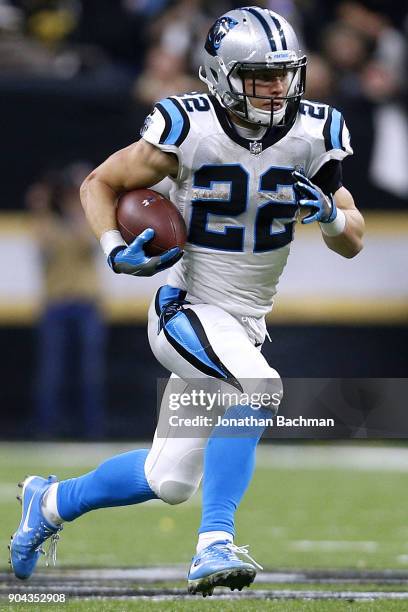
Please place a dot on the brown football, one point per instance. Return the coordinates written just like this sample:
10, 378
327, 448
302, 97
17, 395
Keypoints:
142, 208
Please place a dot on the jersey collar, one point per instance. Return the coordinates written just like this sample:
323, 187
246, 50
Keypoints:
271, 136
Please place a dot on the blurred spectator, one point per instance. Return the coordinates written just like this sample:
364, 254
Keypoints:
51, 21
374, 19
18, 53
319, 82
389, 161
367, 55
181, 30
164, 75
71, 333
148, 8
111, 53
347, 51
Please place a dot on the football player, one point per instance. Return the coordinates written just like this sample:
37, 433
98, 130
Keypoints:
244, 160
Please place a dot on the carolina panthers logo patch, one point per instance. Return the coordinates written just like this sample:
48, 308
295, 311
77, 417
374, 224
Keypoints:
217, 32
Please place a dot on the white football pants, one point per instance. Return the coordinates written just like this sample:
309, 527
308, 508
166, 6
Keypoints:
194, 341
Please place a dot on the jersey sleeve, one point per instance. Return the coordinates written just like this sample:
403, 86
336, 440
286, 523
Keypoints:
167, 127
330, 177
331, 141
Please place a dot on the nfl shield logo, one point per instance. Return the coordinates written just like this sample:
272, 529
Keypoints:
255, 148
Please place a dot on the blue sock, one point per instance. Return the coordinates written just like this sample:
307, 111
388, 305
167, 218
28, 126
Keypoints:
229, 463
119, 481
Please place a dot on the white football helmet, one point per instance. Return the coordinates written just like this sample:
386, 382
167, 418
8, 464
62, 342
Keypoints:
244, 42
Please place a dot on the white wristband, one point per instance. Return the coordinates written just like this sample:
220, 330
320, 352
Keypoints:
110, 240
335, 227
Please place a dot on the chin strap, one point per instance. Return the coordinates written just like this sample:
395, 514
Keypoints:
276, 116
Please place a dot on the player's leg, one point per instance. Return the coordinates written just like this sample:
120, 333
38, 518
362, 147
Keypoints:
174, 465
46, 504
204, 340
174, 470
118, 481
229, 462
121, 480
131, 478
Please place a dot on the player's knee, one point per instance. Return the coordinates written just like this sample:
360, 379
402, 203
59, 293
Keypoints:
174, 492
174, 469
275, 391
266, 391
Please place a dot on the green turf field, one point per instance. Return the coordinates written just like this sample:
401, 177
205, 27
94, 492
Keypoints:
310, 516
202, 606
291, 518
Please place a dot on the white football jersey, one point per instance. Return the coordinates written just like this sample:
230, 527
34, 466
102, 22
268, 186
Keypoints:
237, 196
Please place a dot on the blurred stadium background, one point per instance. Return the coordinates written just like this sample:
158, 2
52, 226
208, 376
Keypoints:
76, 81
77, 78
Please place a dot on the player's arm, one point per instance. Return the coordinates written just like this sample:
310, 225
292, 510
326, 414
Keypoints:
137, 166
342, 225
348, 242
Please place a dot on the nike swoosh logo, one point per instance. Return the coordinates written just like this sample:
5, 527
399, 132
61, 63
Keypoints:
26, 528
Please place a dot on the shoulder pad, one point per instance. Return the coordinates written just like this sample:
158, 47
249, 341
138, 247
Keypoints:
324, 127
168, 124
326, 122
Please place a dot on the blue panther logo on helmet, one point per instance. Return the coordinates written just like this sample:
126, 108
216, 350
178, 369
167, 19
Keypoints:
217, 32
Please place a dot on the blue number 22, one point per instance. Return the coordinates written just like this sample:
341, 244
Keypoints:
231, 238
